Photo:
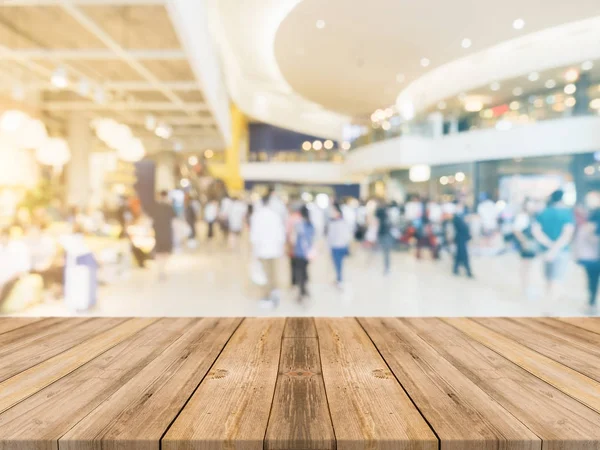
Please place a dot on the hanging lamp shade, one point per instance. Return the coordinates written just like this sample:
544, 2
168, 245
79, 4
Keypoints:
54, 152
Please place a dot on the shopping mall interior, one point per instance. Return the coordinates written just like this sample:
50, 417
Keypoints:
299, 158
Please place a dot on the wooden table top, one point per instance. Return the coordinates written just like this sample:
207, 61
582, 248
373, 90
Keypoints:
301, 383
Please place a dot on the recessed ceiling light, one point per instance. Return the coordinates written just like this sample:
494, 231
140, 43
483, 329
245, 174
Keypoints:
320, 24
193, 160
400, 78
533, 76
474, 106
571, 75
466, 43
59, 78
306, 146
495, 86
587, 65
328, 144
442, 105
517, 91
570, 89
346, 145
317, 145
209, 154
550, 84
425, 62
518, 24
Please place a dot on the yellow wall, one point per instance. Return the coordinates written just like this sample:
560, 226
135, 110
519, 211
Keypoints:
229, 171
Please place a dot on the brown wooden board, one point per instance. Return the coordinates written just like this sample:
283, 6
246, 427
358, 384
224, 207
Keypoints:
21, 355
300, 413
144, 407
587, 323
562, 422
569, 381
546, 341
12, 323
37, 422
230, 408
369, 409
28, 382
462, 415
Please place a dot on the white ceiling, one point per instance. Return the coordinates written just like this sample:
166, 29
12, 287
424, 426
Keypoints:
351, 65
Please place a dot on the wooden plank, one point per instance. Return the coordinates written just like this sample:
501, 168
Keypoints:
22, 355
39, 421
12, 323
587, 323
230, 408
585, 339
580, 357
300, 327
558, 375
369, 409
300, 414
22, 335
462, 415
562, 422
38, 377
143, 408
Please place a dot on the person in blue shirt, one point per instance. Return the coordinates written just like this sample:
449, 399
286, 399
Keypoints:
553, 229
302, 240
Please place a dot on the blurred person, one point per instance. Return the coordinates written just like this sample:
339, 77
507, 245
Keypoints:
163, 215
191, 216
303, 236
293, 219
426, 238
526, 243
237, 219
488, 214
211, 213
361, 221
413, 209
224, 209
461, 238
276, 203
349, 215
339, 236
587, 249
267, 236
384, 235
15, 262
554, 229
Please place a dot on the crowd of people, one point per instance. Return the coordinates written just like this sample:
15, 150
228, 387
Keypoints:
538, 229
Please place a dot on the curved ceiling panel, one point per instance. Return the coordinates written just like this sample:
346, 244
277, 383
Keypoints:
367, 52
245, 33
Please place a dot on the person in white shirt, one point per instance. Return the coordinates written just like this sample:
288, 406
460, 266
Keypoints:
224, 216
339, 236
413, 210
488, 213
267, 236
211, 212
237, 216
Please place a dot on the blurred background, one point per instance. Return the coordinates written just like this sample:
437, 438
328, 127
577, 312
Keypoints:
299, 157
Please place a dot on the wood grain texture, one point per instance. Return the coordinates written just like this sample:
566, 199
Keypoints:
558, 375
39, 421
144, 407
462, 415
22, 334
584, 358
38, 377
300, 413
23, 354
300, 327
369, 409
12, 323
230, 409
562, 422
587, 323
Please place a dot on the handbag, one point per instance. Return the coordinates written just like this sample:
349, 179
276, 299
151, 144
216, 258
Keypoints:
257, 273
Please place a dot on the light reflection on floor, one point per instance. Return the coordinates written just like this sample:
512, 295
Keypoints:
212, 281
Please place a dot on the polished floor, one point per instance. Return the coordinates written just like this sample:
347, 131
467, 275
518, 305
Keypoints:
213, 280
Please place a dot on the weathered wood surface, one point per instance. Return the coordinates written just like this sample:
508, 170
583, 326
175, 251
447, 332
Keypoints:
299, 383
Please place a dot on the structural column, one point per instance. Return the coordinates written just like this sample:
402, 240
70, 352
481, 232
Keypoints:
79, 137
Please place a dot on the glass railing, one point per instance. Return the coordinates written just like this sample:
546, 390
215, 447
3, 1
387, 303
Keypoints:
552, 104
323, 155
